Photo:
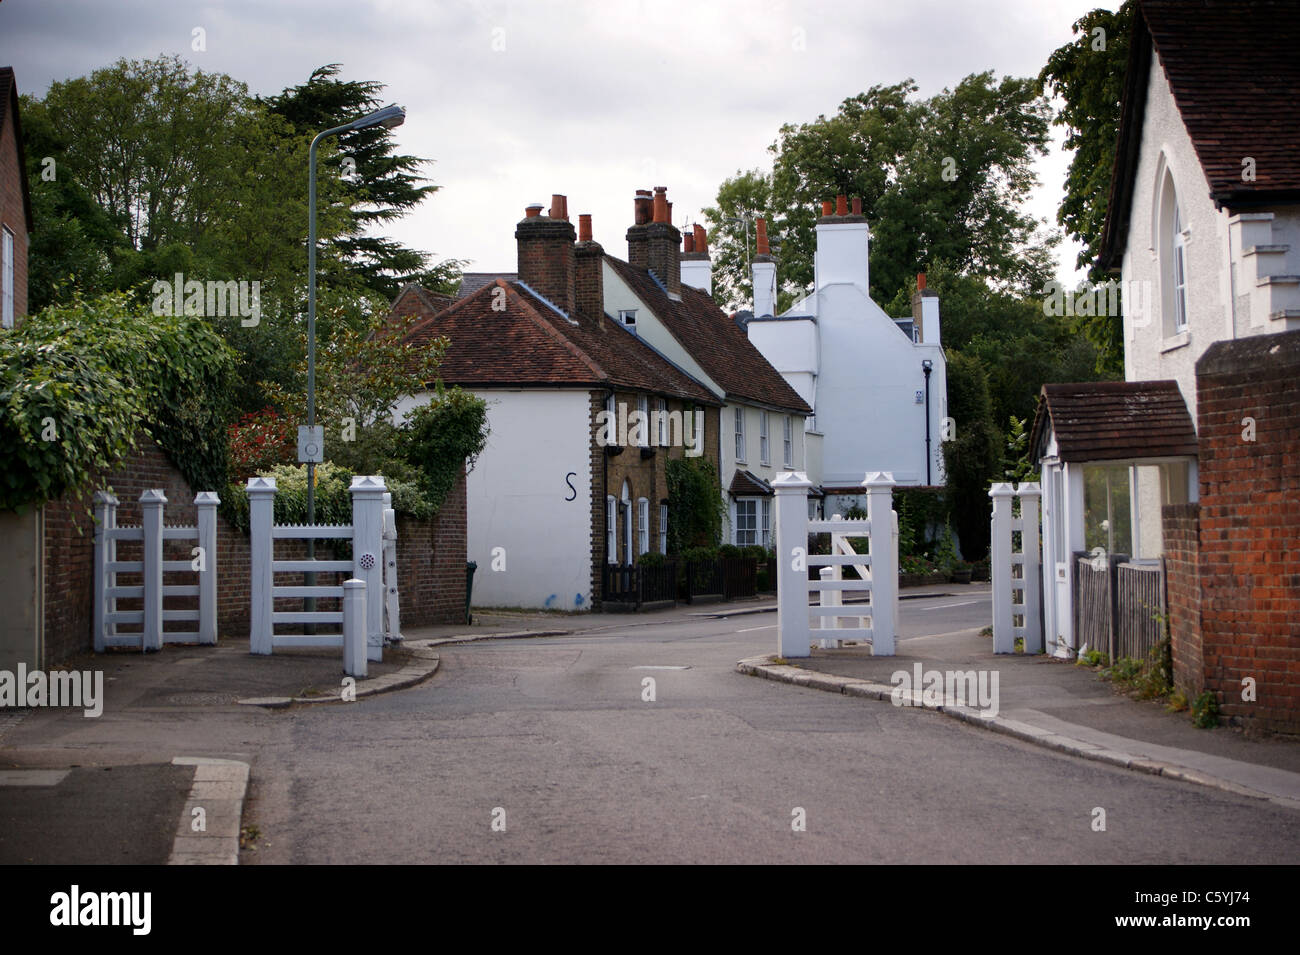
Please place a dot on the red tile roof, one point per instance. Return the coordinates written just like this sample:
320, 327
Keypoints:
529, 343
1114, 420
720, 346
1233, 68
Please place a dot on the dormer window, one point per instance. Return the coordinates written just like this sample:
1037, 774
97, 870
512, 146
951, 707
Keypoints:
627, 317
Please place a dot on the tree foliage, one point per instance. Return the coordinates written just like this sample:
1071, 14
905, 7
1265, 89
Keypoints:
972, 457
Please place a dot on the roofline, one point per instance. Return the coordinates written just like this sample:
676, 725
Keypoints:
1136, 79
14, 107
1235, 199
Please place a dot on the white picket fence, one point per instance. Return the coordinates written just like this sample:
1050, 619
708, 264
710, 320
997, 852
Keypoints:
152, 592
1007, 609
363, 594
878, 570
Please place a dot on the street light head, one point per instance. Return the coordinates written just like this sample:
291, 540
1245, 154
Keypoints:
388, 117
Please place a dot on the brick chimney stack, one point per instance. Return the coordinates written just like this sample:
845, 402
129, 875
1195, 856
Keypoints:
642, 213
696, 267
546, 253
663, 245
589, 274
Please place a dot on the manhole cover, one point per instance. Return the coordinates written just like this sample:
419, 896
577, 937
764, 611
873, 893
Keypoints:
201, 699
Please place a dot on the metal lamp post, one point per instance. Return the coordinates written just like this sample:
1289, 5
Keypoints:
311, 445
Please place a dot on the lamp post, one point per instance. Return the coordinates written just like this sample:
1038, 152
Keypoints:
311, 447
927, 366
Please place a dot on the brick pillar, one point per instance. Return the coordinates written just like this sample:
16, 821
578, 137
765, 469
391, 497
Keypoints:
546, 254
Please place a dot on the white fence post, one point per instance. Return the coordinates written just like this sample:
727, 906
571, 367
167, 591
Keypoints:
392, 612
151, 521
884, 562
105, 552
897, 566
1029, 495
261, 517
1004, 638
792, 630
829, 598
354, 627
206, 503
367, 554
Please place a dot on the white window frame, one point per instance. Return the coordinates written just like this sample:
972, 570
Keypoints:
764, 446
627, 318
697, 428
751, 518
1180, 270
626, 502
642, 525
739, 419
662, 407
611, 529
7, 278
787, 453
643, 406
765, 522
663, 528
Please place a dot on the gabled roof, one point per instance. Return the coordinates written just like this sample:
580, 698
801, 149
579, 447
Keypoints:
1235, 76
471, 282
514, 338
714, 340
9, 106
1114, 420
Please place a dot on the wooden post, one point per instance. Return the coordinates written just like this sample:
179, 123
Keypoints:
792, 630
105, 552
354, 627
367, 554
151, 521
884, 562
206, 503
829, 598
1004, 638
1029, 494
261, 517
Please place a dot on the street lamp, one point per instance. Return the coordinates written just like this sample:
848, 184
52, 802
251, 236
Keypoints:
311, 445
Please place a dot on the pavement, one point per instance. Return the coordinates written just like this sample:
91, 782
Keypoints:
181, 802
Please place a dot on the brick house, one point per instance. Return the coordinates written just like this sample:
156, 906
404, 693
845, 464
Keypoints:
15, 206
570, 481
661, 295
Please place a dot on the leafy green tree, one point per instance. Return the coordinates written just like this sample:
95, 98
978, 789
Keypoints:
971, 459
1088, 74
741, 200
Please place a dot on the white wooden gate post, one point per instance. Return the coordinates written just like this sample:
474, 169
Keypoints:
1004, 639
261, 517
367, 554
829, 598
792, 630
1029, 495
354, 627
206, 503
884, 562
105, 553
151, 521
392, 612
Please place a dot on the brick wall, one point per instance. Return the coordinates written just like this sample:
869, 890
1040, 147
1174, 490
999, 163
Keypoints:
1179, 523
546, 258
12, 214
430, 557
1249, 555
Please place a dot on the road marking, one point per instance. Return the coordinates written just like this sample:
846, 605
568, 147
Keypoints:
32, 777
660, 668
752, 629
964, 603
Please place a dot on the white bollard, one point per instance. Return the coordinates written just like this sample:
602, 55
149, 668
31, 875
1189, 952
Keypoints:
206, 502
354, 628
1004, 638
368, 554
792, 631
884, 562
1029, 495
151, 520
261, 517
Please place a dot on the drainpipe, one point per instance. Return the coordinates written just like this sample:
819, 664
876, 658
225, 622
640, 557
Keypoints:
927, 366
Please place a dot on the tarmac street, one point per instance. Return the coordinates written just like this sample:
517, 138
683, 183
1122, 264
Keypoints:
552, 750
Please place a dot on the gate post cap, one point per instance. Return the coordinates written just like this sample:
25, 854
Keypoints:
207, 497
1001, 489
791, 481
153, 495
1029, 489
261, 485
879, 479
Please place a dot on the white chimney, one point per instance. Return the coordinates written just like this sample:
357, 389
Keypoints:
763, 272
842, 245
925, 312
697, 269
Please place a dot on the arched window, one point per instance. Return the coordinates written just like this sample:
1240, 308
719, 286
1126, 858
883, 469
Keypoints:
625, 534
1170, 234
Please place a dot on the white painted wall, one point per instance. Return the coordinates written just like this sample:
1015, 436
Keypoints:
530, 493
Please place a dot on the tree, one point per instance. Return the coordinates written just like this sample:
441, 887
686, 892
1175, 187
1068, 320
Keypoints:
743, 198
1088, 74
971, 459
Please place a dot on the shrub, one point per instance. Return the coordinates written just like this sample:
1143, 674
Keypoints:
1205, 710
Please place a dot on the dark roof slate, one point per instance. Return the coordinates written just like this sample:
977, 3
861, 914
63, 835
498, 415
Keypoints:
1114, 420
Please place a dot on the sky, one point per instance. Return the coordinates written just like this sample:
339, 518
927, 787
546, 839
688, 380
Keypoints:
515, 101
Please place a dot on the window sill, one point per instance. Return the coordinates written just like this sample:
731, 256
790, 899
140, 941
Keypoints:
1176, 341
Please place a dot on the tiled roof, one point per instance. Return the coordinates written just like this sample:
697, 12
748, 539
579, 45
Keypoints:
714, 340
471, 282
9, 101
1114, 420
745, 484
529, 343
1235, 76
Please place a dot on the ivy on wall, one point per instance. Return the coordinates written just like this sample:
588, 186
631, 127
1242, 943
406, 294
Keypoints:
696, 508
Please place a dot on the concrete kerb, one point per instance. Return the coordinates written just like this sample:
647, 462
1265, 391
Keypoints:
763, 666
423, 666
208, 830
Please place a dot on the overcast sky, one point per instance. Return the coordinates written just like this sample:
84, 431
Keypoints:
515, 101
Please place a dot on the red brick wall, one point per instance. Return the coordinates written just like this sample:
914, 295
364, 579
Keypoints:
12, 215
430, 571
1249, 561
546, 259
1182, 584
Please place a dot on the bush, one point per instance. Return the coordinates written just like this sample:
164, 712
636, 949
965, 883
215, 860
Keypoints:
333, 503
696, 508
1205, 710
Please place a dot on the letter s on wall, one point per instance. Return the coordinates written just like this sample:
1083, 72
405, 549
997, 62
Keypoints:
568, 481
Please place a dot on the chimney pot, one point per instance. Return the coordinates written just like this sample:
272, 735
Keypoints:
559, 207
701, 239
857, 207
661, 204
584, 227
920, 281
827, 207
533, 210
689, 240
841, 205
763, 247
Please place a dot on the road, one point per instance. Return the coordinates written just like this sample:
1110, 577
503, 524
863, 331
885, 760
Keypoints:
548, 750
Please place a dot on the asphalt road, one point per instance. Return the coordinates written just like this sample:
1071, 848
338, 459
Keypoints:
549, 751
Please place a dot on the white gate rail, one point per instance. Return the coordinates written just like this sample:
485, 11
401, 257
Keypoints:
878, 570
1006, 609
366, 566
152, 592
